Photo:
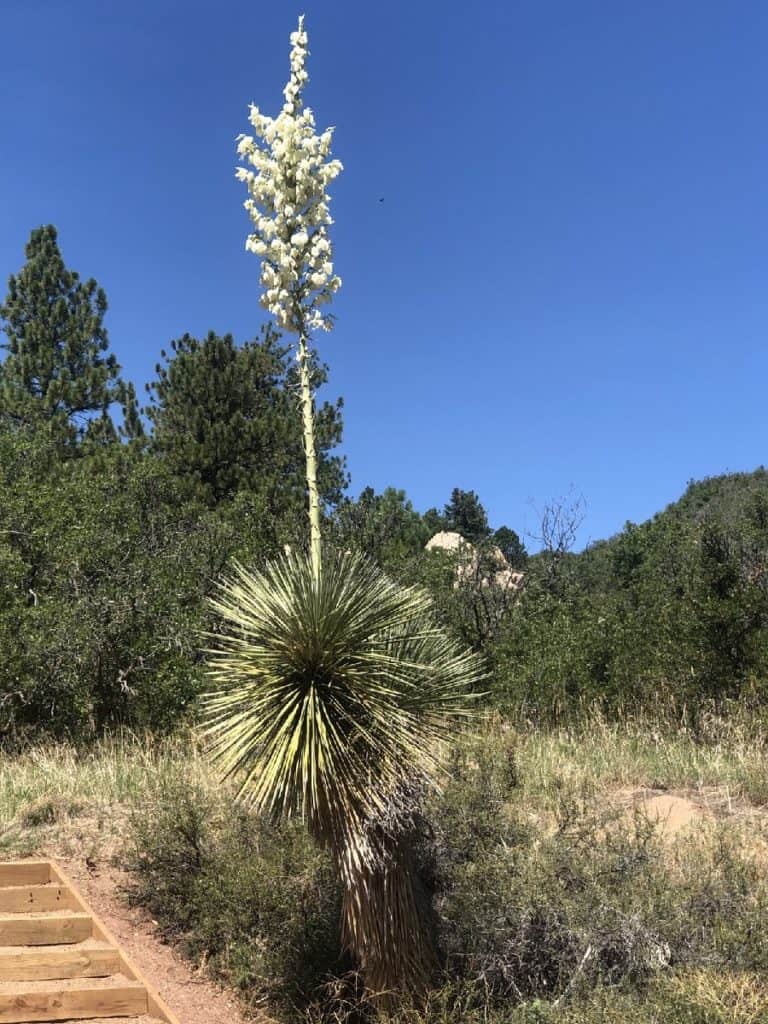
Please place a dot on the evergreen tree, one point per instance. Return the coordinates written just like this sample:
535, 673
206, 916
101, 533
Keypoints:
510, 545
466, 516
224, 418
434, 522
384, 526
58, 373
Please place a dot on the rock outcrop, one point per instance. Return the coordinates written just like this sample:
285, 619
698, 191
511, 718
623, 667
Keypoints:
487, 567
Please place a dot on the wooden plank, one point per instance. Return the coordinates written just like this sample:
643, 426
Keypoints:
71, 1000
37, 898
25, 872
123, 1020
156, 1005
44, 929
88, 959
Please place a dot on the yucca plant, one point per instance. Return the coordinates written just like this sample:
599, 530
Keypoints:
333, 696
334, 685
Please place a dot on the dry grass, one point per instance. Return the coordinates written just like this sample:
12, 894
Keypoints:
725, 997
724, 768
58, 799
728, 757
59, 793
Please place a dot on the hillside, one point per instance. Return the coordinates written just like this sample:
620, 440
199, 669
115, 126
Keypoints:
676, 606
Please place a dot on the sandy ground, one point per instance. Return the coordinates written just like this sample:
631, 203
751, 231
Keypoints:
671, 814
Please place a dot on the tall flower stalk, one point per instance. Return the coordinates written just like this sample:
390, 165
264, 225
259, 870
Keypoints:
287, 179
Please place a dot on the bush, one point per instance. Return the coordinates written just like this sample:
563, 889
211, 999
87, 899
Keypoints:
548, 912
106, 571
252, 899
675, 608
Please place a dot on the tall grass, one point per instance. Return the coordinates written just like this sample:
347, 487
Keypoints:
595, 755
729, 754
52, 783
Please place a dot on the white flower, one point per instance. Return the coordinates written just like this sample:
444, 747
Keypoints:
288, 173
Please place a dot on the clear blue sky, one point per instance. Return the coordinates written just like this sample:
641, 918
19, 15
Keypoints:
565, 283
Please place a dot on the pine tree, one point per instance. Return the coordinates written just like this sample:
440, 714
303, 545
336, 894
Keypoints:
224, 419
466, 516
58, 373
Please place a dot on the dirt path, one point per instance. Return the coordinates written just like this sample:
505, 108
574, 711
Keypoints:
193, 998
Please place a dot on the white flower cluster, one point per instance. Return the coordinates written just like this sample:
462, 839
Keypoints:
288, 204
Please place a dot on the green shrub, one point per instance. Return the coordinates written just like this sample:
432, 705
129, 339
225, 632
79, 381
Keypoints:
252, 899
672, 612
535, 909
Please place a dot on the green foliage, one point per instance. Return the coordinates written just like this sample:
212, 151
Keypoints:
257, 901
511, 547
550, 903
473, 591
333, 690
107, 559
590, 912
465, 515
331, 693
105, 571
226, 421
57, 374
385, 527
677, 606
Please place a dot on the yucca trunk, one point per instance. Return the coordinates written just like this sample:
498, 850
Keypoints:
384, 909
387, 924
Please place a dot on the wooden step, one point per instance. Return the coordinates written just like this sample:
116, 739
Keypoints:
25, 872
26, 898
61, 926
91, 958
119, 1020
58, 961
71, 999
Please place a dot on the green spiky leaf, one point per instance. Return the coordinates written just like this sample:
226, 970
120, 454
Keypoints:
330, 693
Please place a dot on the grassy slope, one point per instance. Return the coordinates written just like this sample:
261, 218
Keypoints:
728, 754
561, 787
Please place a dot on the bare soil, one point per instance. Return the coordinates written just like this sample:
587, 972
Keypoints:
671, 813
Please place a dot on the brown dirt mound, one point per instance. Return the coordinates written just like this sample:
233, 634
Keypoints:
671, 813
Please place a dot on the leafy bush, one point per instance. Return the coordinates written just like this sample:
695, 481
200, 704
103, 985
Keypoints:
676, 608
105, 572
252, 899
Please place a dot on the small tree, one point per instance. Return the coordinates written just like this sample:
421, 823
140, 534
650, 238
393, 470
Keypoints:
466, 516
57, 373
510, 545
385, 526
